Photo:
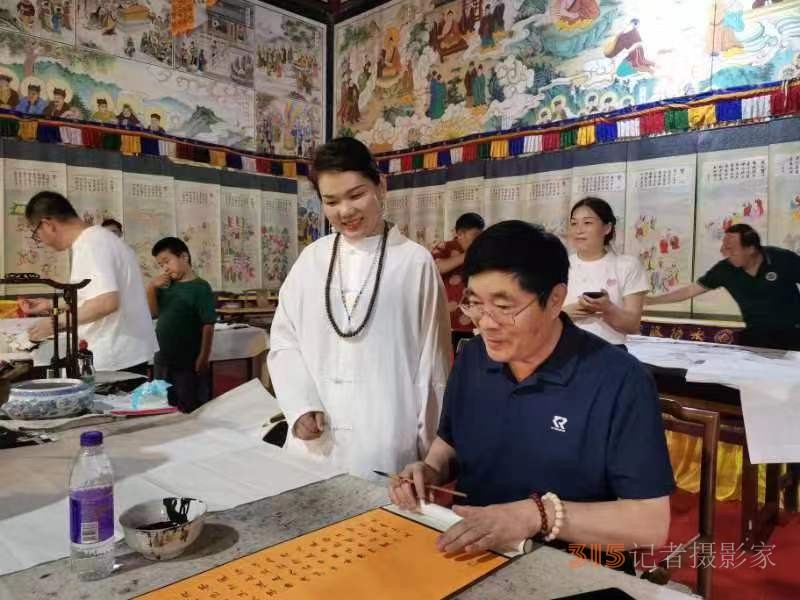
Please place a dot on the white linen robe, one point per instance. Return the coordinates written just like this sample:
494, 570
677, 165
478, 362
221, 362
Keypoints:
381, 391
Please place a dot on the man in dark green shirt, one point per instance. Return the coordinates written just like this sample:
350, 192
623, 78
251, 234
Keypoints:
764, 281
185, 308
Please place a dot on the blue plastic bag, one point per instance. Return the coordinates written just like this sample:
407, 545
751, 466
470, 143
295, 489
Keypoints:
148, 392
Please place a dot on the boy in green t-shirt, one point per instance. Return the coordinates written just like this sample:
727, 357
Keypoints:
185, 308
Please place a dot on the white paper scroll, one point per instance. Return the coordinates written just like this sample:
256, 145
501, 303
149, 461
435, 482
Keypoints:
660, 222
23, 179
463, 196
148, 215
784, 196
427, 215
548, 201
733, 187
95, 193
310, 220
197, 221
240, 226
278, 237
398, 209
505, 199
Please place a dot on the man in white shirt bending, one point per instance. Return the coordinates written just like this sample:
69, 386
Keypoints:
113, 316
360, 343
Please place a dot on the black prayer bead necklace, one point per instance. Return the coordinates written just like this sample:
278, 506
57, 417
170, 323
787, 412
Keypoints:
334, 256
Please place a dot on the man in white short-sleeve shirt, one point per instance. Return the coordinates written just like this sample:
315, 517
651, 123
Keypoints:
113, 316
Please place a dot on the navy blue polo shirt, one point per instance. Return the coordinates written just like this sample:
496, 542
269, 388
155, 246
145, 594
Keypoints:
585, 425
769, 300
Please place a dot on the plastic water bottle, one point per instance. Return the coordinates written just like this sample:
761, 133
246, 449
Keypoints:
91, 510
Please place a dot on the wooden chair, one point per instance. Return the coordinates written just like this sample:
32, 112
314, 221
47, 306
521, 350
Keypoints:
705, 424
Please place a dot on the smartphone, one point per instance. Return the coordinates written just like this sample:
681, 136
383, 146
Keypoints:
604, 594
594, 295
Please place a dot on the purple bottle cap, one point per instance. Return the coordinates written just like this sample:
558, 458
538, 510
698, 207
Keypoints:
91, 438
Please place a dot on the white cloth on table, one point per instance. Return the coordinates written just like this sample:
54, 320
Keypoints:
231, 342
769, 390
381, 391
216, 454
125, 338
234, 342
768, 382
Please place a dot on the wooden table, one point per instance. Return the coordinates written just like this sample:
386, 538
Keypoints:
241, 343
757, 522
242, 314
245, 298
543, 574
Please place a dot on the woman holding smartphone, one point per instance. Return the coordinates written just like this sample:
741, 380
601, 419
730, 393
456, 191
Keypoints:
606, 290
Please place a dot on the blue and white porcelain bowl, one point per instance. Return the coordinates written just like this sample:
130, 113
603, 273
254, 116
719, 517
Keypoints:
48, 399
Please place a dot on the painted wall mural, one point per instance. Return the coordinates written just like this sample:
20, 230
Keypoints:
289, 84
415, 72
116, 62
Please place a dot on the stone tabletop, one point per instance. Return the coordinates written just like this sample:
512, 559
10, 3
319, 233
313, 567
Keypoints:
545, 573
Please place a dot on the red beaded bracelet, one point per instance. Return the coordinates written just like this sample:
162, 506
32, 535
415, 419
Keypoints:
542, 513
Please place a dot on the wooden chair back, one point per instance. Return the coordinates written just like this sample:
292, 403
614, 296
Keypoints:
705, 424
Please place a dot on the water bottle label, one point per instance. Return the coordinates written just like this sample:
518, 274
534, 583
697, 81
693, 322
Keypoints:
91, 513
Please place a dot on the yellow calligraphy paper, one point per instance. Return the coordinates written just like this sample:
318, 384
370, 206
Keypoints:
375, 555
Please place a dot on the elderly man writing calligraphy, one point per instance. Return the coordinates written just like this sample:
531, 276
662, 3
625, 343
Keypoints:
549, 430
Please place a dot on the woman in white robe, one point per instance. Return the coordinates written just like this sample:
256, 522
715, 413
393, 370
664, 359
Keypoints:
371, 400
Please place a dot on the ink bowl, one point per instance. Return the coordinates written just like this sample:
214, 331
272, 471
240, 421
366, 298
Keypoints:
48, 399
163, 529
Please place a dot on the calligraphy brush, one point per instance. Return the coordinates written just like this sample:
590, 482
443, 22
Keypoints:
427, 486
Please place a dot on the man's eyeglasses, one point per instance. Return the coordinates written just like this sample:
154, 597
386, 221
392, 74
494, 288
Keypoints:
501, 316
35, 232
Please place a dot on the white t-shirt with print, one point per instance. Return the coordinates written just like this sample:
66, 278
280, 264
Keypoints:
126, 337
620, 275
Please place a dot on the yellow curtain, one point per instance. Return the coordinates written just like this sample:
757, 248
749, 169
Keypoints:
28, 130
218, 158
290, 169
702, 116
430, 160
684, 454
586, 135
131, 145
499, 149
